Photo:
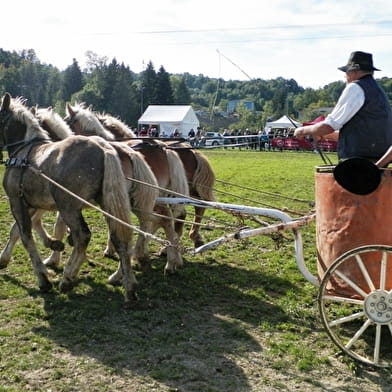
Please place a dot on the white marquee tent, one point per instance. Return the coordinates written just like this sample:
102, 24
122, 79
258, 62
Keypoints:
283, 122
169, 117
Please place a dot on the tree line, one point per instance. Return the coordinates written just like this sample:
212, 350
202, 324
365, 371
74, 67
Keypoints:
114, 88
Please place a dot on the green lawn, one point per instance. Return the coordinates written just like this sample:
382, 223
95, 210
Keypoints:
239, 317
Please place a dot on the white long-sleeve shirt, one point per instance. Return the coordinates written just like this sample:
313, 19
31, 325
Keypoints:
350, 101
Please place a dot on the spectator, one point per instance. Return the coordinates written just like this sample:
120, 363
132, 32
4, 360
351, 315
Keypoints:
191, 136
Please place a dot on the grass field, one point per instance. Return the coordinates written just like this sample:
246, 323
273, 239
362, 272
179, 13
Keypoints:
239, 317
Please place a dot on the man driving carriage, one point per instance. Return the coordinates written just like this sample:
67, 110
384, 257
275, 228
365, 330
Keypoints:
362, 118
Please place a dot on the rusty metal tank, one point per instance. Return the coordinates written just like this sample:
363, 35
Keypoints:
345, 221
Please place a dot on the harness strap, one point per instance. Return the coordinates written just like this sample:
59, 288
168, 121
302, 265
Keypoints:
22, 163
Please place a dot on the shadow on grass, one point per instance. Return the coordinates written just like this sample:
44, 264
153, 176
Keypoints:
193, 325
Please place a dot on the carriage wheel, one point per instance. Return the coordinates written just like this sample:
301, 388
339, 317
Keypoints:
357, 314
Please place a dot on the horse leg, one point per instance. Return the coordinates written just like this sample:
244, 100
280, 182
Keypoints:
23, 220
140, 253
49, 242
60, 230
194, 232
123, 248
174, 258
110, 251
179, 226
6, 254
81, 235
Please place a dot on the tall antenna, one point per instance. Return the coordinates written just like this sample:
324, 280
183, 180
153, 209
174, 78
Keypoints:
235, 65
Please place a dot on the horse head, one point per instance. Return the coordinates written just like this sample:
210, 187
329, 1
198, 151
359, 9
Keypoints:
53, 123
83, 121
118, 128
17, 123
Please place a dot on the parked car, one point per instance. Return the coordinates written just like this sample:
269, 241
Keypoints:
212, 139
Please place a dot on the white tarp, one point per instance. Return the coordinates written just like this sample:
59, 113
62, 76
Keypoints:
170, 117
283, 122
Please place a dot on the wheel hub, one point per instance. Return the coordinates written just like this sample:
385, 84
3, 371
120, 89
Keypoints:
378, 306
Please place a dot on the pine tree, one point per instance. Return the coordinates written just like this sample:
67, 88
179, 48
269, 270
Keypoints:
164, 88
149, 87
182, 95
72, 81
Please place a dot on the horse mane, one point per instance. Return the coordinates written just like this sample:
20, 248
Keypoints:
54, 124
117, 127
89, 121
22, 114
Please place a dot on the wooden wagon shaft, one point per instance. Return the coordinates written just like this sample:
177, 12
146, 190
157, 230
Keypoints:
268, 212
288, 223
246, 233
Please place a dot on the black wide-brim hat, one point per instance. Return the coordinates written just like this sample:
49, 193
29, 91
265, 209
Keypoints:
359, 61
358, 175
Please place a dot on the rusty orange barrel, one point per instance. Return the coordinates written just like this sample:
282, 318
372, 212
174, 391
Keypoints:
345, 221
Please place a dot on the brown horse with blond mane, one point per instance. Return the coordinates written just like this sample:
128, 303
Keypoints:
199, 173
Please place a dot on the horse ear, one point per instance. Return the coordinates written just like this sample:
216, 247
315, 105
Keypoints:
69, 109
6, 102
33, 110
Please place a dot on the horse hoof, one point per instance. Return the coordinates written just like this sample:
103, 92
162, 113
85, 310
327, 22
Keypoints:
199, 243
4, 264
70, 240
114, 282
132, 301
163, 252
143, 265
66, 286
57, 246
51, 263
169, 271
45, 286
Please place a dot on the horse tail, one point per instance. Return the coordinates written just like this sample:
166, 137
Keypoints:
178, 179
115, 195
143, 196
204, 177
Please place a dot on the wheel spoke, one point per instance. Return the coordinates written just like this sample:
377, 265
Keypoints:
351, 283
377, 341
343, 299
383, 272
359, 317
346, 319
358, 333
365, 272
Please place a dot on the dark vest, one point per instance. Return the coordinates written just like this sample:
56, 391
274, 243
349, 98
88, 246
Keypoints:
369, 133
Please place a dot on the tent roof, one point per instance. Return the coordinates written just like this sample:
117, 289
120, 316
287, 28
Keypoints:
168, 113
283, 122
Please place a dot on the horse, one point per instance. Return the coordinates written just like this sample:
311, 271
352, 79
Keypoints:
201, 180
143, 209
86, 167
142, 192
166, 166
199, 173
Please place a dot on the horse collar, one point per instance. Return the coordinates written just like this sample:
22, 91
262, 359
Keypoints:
14, 161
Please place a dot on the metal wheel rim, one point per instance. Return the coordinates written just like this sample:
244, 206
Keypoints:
374, 327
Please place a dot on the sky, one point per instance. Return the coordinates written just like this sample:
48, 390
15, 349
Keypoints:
305, 40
